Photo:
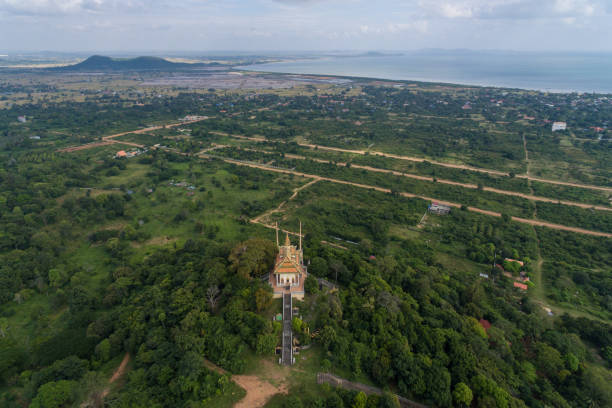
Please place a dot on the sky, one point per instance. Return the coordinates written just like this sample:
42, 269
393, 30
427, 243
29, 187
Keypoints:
304, 25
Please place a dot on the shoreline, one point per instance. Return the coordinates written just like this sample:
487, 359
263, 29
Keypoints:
280, 67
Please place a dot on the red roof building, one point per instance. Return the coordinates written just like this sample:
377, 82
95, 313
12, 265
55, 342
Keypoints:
520, 286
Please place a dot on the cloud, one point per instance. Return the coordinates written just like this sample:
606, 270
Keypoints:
306, 24
63, 7
393, 28
514, 9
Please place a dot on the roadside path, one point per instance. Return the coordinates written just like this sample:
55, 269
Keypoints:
404, 194
421, 160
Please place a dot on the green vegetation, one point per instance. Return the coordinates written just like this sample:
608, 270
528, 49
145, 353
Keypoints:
155, 257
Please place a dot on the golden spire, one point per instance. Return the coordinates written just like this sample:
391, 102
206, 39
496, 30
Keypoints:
287, 241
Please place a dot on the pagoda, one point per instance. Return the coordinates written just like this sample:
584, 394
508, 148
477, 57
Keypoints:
289, 271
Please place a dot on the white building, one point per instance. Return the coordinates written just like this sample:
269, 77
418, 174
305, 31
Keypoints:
559, 126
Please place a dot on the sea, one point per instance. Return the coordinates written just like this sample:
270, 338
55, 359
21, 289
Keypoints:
549, 72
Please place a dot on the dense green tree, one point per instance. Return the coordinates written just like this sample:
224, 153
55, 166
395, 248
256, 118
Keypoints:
54, 394
253, 258
462, 395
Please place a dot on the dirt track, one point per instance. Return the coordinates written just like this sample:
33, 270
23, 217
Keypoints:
420, 160
117, 374
259, 218
455, 183
107, 140
448, 203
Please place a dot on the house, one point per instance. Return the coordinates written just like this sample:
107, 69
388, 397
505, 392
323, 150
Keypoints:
22, 119
556, 126
439, 209
121, 154
521, 286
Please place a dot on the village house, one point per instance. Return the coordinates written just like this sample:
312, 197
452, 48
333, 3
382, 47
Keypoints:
557, 126
438, 209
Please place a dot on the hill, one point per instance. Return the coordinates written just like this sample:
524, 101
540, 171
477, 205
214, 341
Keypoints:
104, 63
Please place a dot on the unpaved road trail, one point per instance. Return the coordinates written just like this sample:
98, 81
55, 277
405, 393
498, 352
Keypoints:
455, 183
421, 160
96, 144
404, 194
117, 374
107, 140
152, 128
259, 218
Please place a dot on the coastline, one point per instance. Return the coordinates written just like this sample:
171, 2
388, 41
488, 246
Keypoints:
392, 68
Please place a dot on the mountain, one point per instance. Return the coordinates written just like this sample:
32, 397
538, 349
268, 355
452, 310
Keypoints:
103, 63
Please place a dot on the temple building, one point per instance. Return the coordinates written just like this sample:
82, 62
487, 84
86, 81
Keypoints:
289, 271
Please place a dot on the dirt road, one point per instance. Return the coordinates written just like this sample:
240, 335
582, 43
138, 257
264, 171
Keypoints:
116, 375
404, 194
456, 183
97, 144
259, 218
420, 160
152, 128
107, 140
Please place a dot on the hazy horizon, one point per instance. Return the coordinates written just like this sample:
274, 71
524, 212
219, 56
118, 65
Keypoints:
285, 53
264, 26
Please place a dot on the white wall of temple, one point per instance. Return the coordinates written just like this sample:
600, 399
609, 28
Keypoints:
284, 279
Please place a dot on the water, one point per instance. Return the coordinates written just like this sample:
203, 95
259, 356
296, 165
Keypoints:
545, 72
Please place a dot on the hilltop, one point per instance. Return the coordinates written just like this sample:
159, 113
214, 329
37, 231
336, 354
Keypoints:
104, 63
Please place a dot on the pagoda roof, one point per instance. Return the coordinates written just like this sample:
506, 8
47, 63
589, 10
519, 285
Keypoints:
286, 265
